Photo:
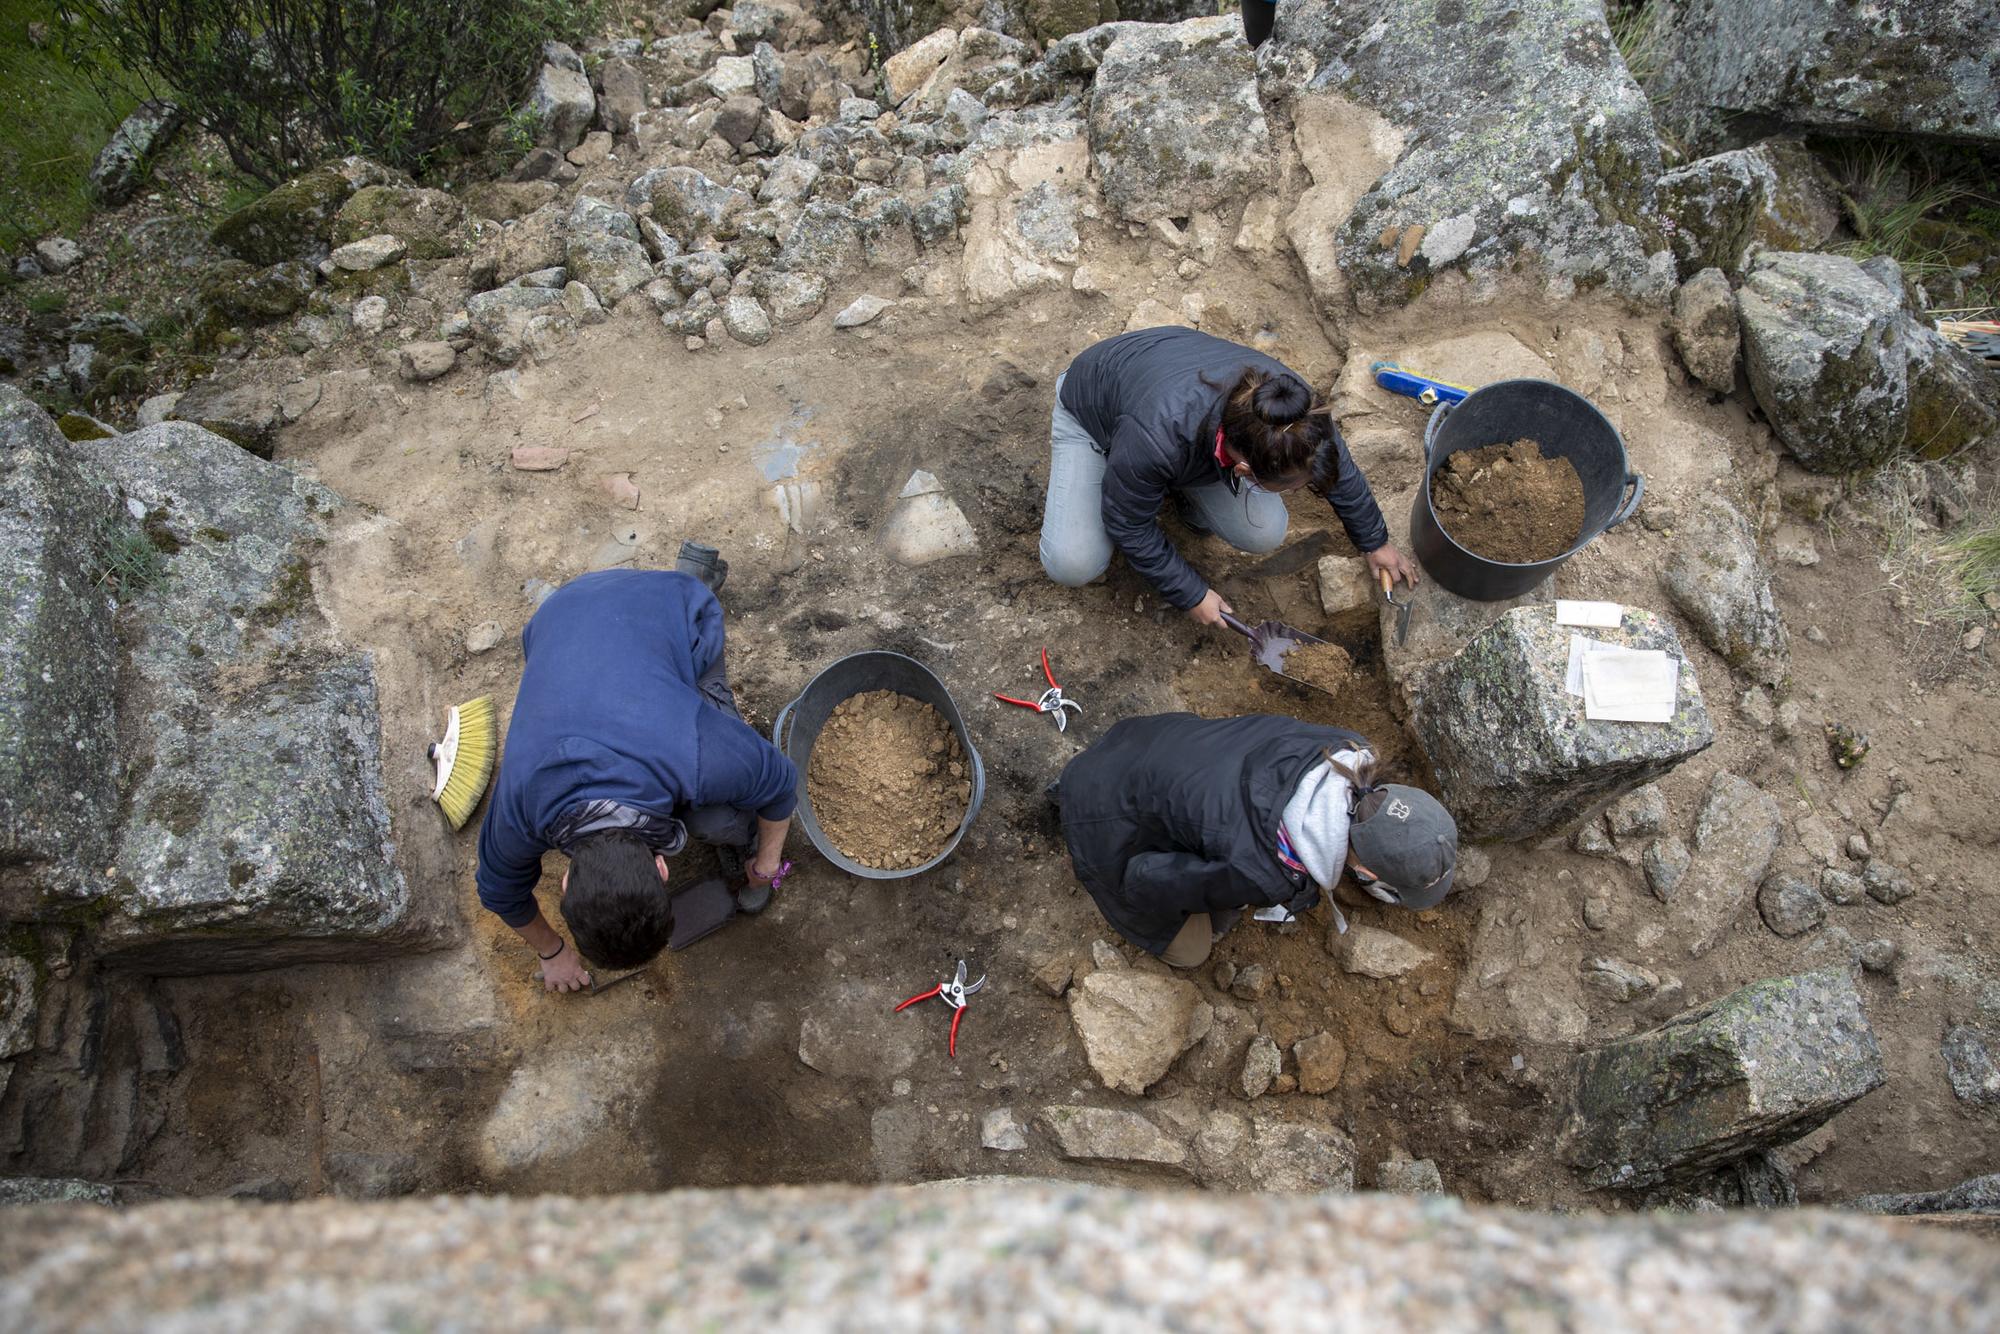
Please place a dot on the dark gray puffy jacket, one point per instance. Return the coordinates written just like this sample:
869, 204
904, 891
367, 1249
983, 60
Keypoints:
1174, 814
1152, 400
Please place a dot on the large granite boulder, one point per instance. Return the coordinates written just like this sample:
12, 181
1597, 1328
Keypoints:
1025, 1254
1827, 354
122, 164
258, 830
1827, 65
59, 527
1175, 121
1529, 144
295, 220
1775, 196
1757, 1068
1717, 579
1514, 754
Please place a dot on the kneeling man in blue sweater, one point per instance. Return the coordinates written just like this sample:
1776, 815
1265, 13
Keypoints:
625, 740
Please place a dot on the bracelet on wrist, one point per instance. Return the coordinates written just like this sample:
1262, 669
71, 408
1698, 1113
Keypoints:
560, 947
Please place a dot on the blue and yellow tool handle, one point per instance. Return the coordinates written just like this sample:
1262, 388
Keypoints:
1423, 388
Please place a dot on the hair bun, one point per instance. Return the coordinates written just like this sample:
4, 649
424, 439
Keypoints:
1282, 399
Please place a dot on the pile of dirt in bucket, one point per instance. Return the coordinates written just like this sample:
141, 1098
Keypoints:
888, 781
1326, 666
1509, 503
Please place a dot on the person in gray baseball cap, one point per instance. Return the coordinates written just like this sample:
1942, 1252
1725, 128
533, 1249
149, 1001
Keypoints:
1177, 825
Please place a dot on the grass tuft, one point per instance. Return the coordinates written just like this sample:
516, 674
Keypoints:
1938, 538
53, 119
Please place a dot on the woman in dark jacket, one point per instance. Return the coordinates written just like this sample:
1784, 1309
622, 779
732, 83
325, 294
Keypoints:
1175, 824
1223, 428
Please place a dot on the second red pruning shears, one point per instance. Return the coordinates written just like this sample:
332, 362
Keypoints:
1052, 700
954, 993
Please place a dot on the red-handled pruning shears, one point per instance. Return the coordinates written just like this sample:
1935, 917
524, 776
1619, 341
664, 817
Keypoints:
1052, 700
954, 993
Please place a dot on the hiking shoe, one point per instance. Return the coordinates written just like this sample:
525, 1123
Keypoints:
730, 861
704, 563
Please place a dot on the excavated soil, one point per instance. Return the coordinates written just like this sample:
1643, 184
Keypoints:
1509, 503
769, 1052
888, 780
1325, 666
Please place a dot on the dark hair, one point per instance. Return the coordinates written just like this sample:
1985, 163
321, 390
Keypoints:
1278, 426
615, 905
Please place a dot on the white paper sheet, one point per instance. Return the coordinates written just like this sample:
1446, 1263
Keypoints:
1619, 684
1630, 685
1591, 615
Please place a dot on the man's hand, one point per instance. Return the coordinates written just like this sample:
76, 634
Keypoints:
764, 869
565, 972
1209, 610
1398, 566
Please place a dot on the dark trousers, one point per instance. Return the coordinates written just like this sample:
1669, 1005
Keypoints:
721, 826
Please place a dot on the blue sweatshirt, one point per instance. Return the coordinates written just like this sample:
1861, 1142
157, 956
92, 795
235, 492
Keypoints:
608, 709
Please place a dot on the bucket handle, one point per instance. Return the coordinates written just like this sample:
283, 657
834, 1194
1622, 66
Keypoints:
1630, 507
778, 728
978, 785
1438, 414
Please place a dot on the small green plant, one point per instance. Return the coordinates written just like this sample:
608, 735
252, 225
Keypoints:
50, 302
519, 130
132, 561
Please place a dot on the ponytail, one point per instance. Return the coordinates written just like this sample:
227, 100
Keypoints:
1276, 424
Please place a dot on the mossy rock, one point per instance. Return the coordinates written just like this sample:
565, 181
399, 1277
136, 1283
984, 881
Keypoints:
77, 427
389, 280
243, 292
430, 222
1060, 18
288, 222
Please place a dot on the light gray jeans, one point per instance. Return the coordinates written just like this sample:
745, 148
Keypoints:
1075, 547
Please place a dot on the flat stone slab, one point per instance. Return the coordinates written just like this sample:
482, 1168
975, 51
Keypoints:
1758, 1068
58, 656
1513, 753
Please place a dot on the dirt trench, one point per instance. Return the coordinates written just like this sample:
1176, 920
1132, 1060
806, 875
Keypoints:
769, 1053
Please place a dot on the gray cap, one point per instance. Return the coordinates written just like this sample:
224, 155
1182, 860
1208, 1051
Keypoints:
1408, 841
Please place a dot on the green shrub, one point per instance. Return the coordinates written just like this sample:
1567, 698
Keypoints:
287, 83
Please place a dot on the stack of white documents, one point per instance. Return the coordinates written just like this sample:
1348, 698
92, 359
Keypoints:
1623, 685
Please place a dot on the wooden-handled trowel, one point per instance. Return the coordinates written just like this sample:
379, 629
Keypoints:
1402, 608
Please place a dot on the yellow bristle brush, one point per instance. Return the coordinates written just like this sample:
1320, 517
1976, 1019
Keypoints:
464, 759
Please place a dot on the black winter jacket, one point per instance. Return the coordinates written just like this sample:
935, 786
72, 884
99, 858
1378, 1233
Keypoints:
1175, 814
1143, 398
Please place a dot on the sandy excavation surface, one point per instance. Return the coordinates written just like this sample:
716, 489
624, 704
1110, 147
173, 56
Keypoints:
769, 1052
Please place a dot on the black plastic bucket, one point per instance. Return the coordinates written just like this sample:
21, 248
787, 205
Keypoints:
1565, 424
799, 723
